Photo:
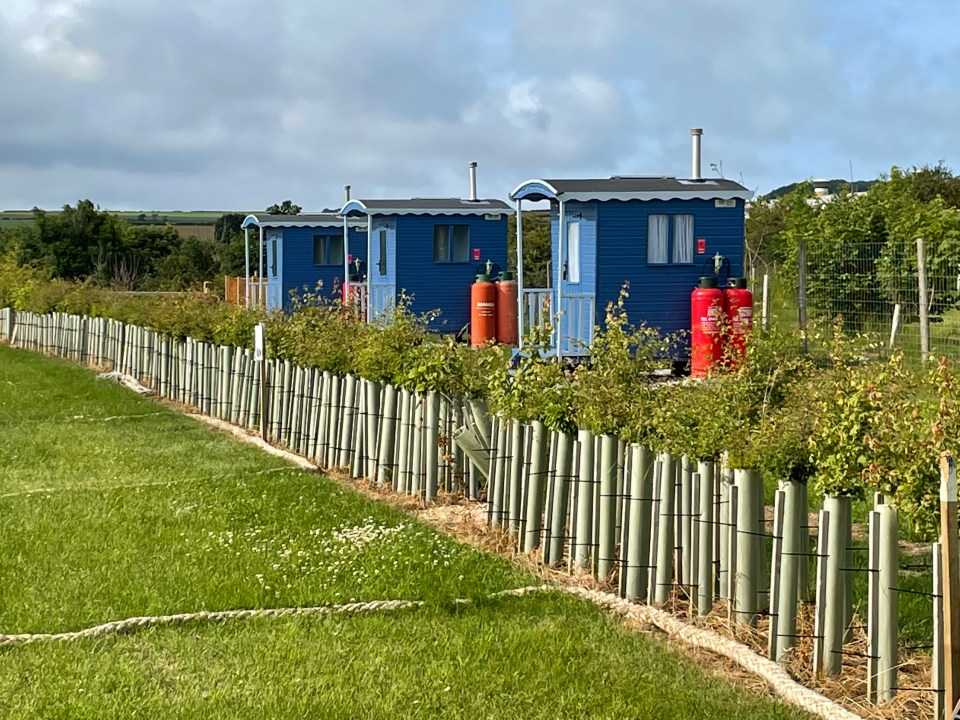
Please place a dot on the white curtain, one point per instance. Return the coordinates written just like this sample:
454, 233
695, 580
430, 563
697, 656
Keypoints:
683, 239
573, 251
658, 239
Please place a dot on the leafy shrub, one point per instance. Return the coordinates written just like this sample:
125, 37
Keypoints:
614, 394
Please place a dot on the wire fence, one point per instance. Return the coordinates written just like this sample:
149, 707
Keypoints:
906, 296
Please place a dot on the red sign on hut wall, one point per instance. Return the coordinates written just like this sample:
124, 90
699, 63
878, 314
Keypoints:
701, 246
476, 254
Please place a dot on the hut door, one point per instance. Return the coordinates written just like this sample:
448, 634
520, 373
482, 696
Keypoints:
274, 269
576, 300
382, 270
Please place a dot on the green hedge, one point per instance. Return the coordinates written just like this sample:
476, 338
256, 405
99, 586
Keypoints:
828, 410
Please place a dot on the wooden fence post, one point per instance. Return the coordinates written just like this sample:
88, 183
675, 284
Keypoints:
259, 359
922, 287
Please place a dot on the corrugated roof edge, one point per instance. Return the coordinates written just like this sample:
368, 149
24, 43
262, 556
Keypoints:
307, 220
427, 206
630, 188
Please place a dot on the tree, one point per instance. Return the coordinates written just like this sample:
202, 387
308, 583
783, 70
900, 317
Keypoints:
928, 183
764, 243
284, 208
536, 247
233, 256
228, 225
189, 265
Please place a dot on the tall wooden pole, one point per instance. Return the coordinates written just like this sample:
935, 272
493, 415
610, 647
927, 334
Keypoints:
922, 283
951, 579
260, 360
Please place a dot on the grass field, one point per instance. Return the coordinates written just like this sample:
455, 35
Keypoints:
111, 506
189, 217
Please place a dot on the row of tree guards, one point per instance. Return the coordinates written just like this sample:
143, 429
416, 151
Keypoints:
689, 534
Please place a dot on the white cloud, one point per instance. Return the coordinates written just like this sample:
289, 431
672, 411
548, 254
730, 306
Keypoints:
45, 29
238, 103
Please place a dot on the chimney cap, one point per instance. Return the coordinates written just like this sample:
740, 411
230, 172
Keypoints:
696, 131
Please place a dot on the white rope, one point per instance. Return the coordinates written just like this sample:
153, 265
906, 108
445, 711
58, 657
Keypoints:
64, 419
152, 484
126, 381
133, 624
139, 623
242, 434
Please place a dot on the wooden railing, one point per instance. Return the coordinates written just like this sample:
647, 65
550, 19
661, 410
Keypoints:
578, 317
235, 291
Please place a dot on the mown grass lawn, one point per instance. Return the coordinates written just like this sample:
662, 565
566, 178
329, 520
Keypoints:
151, 513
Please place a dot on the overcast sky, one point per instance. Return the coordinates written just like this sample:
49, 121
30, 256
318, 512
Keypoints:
236, 104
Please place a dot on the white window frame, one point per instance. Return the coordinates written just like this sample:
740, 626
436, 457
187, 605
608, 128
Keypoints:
670, 225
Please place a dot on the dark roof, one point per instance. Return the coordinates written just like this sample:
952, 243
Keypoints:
312, 217
328, 219
626, 184
437, 205
627, 187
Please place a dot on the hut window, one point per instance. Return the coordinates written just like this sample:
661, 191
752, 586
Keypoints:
658, 239
327, 250
682, 239
670, 239
451, 243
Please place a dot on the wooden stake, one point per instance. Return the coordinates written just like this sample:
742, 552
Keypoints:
924, 319
936, 674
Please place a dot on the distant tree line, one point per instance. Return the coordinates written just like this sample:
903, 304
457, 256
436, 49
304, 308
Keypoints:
861, 256
85, 243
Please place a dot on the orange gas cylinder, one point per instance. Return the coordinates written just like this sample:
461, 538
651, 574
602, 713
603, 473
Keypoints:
483, 311
706, 342
738, 308
507, 310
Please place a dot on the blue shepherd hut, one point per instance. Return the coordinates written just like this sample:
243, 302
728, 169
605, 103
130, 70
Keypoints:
302, 250
654, 232
430, 249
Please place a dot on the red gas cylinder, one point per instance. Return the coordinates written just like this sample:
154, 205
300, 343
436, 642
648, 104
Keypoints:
354, 298
738, 309
706, 342
507, 310
483, 311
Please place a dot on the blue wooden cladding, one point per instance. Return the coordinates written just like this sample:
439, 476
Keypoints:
418, 248
656, 235
301, 273
303, 254
660, 294
445, 285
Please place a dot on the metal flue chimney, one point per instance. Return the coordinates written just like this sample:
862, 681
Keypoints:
346, 194
695, 134
473, 182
